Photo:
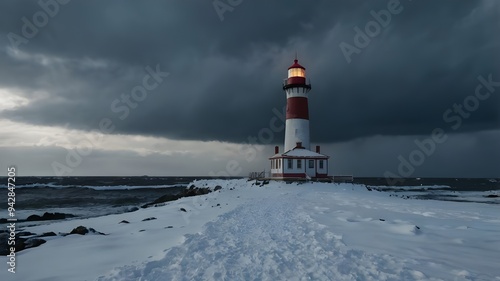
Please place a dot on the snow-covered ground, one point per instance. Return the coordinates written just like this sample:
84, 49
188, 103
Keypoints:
311, 231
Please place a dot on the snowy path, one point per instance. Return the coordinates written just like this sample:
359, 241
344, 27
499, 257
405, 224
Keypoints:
271, 239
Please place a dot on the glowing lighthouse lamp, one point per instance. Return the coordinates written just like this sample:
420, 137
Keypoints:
298, 161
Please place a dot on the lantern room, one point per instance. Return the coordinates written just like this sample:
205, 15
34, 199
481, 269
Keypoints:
296, 74
296, 70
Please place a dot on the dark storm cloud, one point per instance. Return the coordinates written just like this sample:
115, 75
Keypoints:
225, 76
461, 155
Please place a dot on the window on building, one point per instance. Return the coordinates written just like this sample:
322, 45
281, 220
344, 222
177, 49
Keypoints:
299, 163
290, 164
272, 164
279, 163
311, 164
321, 164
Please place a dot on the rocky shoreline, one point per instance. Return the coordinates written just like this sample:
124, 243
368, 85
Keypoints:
25, 240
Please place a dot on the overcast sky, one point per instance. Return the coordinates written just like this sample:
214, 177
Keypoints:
183, 87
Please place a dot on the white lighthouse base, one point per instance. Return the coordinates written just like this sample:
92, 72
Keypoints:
296, 130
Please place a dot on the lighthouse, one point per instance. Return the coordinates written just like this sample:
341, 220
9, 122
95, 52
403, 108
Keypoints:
297, 108
298, 161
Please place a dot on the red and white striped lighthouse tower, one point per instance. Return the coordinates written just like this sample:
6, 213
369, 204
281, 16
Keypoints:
297, 108
298, 161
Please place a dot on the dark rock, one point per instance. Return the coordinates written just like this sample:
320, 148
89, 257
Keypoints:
47, 234
34, 218
417, 230
82, 230
91, 230
195, 192
218, 188
142, 230
33, 242
149, 219
203, 191
218, 204
4, 247
20, 244
56, 216
492, 196
50, 216
381, 219
169, 226
124, 221
182, 209
166, 198
188, 192
162, 199
3, 220
369, 189
25, 233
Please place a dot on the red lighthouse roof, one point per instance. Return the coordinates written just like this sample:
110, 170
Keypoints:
296, 64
